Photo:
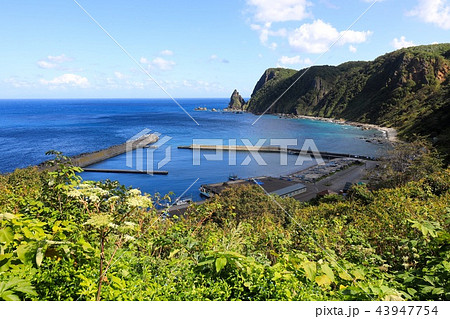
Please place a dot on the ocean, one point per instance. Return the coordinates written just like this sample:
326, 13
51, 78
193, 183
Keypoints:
29, 128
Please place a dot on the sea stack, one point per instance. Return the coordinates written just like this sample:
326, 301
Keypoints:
236, 101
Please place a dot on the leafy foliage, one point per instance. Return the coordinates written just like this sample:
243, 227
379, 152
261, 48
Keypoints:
62, 238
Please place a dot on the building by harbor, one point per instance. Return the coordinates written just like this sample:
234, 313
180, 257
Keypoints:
272, 185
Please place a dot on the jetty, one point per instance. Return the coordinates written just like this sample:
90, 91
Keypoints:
124, 171
271, 149
85, 159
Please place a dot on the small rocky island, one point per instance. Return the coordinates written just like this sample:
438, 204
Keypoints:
236, 102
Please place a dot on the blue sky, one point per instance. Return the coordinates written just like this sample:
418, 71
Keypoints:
51, 48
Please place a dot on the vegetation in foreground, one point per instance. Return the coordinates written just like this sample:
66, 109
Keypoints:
65, 239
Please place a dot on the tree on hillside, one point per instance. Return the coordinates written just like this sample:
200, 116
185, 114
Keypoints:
406, 162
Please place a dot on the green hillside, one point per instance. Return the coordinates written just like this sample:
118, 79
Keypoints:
408, 89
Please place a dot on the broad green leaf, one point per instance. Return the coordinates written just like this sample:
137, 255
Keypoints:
27, 233
411, 291
27, 289
345, 276
323, 280
310, 270
220, 263
85, 245
9, 296
446, 265
23, 252
358, 273
427, 289
438, 291
6, 235
425, 227
328, 271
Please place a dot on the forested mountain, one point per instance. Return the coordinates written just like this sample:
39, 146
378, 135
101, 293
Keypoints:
408, 89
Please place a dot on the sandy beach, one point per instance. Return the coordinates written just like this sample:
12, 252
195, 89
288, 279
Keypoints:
389, 133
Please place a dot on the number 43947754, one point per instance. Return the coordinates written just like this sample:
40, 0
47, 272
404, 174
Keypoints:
407, 310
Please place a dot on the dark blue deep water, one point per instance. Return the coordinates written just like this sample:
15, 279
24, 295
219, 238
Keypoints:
29, 128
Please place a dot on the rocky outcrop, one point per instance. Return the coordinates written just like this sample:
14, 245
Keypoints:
268, 75
236, 101
275, 74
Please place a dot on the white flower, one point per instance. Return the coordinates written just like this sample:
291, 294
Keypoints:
139, 201
113, 199
94, 198
102, 192
112, 225
84, 186
128, 238
75, 193
134, 192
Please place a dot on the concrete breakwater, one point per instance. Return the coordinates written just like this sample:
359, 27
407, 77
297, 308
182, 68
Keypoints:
269, 149
124, 171
86, 159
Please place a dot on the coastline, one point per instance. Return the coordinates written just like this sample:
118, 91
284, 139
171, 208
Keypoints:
389, 133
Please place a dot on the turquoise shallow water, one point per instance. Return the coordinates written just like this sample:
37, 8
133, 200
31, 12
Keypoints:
28, 128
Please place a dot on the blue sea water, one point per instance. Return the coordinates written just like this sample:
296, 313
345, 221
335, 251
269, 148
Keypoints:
29, 128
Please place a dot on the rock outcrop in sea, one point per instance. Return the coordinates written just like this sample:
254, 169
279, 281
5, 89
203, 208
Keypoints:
236, 101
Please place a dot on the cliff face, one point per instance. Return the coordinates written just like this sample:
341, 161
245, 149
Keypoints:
236, 101
269, 74
407, 89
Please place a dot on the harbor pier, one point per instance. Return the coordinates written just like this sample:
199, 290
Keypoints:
271, 149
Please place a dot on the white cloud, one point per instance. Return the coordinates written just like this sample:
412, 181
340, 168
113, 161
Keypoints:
318, 36
273, 45
285, 60
59, 58
158, 63
352, 49
47, 65
265, 31
290, 60
215, 58
120, 75
280, 10
54, 61
354, 36
18, 83
433, 11
64, 80
166, 52
162, 64
401, 43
